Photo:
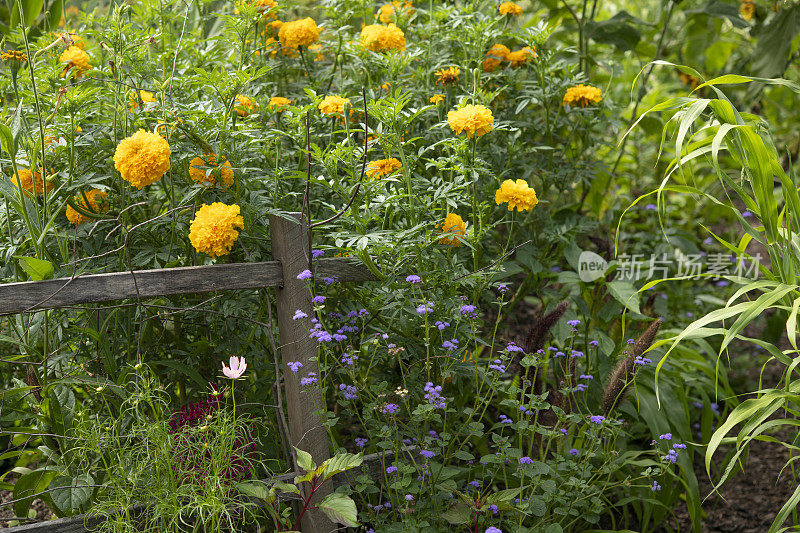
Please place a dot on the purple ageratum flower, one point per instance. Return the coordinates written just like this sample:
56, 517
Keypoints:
361, 442
641, 361
476, 484
656, 487
651, 207
679, 446
525, 460
630, 341
390, 408
432, 394
513, 348
450, 345
427, 454
494, 509
425, 308
409, 498
574, 452
391, 470
329, 281
413, 278
563, 431
308, 380
493, 529
594, 343
317, 253
576, 353
441, 325
747, 214
319, 299
305, 274
596, 419
502, 287
497, 365
350, 392
467, 309
299, 314
722, 283
348, 359
665, 436
580, 387
574, 323
294, 366
505, 420
587, 376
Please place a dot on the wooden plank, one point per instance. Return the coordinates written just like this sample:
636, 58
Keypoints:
306, 432
92, 288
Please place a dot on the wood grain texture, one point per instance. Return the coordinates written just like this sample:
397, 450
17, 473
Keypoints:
306, 432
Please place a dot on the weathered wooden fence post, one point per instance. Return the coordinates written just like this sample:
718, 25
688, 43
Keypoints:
290, 247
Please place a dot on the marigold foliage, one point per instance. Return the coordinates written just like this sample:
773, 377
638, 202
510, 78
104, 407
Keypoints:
518, 194
276, 103
383, 167
298, 33
142, 158
447, 76
582, 95
97, 204
472, 120
453, 227
25, 180
380, 38
334, 105
202, 170
244, 105
510, 8
76, 58
213, 229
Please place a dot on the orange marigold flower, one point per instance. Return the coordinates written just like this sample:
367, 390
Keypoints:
334, 105
385, 13
213, 229
297, 33
14, 55
96, 203
203, 170
383, 167
276, 103
520, 57
582, 95
495, 56
471, 119
447, 76
29, 182
244, 105
510, 8
383, 38
518, 194
146, 97
747, 9
453, 227
74, 57
142, 158
436, 98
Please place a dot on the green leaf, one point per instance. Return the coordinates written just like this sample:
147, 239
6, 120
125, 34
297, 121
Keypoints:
254, 489
718, 9
30, 484
304, 460
340, 508
625, 293
72, 493
7, 141
286, 487
771, 54
340, 463
37, 269
619, 31
458, 514
30, 10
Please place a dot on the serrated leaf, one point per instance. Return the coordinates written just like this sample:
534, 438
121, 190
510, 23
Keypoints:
341, 463
286, 487
340, 508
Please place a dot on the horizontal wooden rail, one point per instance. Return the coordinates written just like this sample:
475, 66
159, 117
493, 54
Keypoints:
90, 288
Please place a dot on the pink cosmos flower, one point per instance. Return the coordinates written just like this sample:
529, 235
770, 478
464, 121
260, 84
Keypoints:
238, 366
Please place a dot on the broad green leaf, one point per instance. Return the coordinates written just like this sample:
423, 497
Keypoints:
254, 489
340, 463
37, 269
73, 493
340, 508
625, 293
30, 484
304, 460
458, 514
286, 487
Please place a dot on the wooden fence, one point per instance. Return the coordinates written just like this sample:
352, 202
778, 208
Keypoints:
290, 249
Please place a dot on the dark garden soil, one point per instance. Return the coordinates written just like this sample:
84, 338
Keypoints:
7, 511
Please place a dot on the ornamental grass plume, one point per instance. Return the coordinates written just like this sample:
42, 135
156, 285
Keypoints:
142, 158
146, 97
380, 38
624, 371
383, 167
203, 170
76, 58
518, 194
453, 227
510, 8
244, 105
334, 105
582, 95
31, 182
97, 203
447, 76
297, 33
213, 229
471, 119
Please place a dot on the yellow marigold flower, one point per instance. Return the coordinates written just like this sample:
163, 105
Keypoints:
27, 180
383, 38
276, 103
471, 119
297, 33
276, 25
517, 194
446, 76
142, 158
383, 167
213, 230
453, 227
582, 95
265, 5
71, 38
510, 8
97, 204
495, 56
520, 57
14, 55
436, 98
244, 105
385, 13
146, 96
334, 105
747, 9
74, 57
202, 170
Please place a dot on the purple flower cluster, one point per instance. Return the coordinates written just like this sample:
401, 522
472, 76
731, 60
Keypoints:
294, 366
390, 408
350, 392
441, 325
305, 274
413, 278
498, 365
348, 359
513, 348
427, 454
432, 394
641, 361
299, 314
319, 299
310, 379
331, 280
361, 442
596, 419
451, 345
424, 309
